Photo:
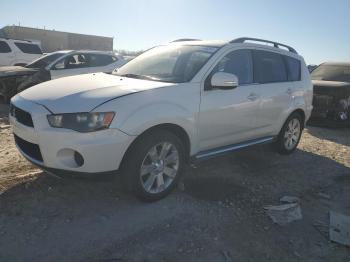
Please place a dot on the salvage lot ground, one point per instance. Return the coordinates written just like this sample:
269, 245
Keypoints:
218, 217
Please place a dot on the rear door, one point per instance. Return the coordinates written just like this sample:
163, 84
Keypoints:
275, 90
102, 63
7, 56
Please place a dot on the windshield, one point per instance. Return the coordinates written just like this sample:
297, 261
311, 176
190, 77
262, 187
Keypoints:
172, 63
331, 73
44, 60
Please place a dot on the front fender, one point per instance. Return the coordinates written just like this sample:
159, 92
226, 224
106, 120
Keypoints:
138, 112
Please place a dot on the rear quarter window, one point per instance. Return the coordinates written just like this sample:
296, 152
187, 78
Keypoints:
100, 60
28, 48
269, 67
4, 47
293, 68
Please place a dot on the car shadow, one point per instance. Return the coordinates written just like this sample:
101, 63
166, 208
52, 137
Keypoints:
340, 135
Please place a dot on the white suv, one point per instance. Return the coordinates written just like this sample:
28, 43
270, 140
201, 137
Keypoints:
18, 52
172, 104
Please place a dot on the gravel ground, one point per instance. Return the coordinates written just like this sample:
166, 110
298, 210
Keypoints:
219, 215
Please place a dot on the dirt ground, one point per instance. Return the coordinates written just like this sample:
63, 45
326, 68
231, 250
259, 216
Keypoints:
219, 215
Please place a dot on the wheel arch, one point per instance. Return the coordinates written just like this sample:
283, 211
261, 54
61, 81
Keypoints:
175, 129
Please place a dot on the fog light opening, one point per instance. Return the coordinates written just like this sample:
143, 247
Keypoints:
78, 158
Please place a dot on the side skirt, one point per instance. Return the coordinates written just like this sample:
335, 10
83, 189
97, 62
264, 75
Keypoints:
226, 149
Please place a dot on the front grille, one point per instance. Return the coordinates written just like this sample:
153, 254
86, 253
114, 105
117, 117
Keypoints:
22, 116
29, 149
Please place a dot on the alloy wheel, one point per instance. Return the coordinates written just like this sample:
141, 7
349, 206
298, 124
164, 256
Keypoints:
159, 167
292, 134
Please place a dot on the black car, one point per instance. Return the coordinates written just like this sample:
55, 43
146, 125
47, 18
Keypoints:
14, 79
331, 99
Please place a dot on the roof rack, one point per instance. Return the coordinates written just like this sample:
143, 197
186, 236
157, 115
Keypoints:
275, 44
184, 39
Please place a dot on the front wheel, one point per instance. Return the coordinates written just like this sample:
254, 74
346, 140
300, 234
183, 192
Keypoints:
290, 134
154, 164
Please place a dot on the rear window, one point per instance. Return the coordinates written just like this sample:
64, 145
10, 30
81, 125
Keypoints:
100, 60
293, 67
4, 47
269, 67
28, 48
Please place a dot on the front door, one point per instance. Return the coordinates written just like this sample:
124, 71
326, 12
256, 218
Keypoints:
229, 116
75, 64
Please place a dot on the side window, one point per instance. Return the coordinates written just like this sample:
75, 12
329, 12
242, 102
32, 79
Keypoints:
269, 67
99, 60
72, 62
239, 63
294, 68
4, 47
28, 48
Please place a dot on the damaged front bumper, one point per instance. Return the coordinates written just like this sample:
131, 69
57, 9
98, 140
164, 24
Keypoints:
331, 105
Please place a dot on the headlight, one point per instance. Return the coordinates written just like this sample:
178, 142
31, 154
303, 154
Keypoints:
82, 122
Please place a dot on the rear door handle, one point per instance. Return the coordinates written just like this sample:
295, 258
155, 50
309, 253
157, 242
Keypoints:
252, 97
289, 91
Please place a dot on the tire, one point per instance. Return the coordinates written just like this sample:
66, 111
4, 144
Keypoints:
289, 137
148, 174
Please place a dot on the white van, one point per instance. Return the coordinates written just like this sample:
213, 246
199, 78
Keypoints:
18, 52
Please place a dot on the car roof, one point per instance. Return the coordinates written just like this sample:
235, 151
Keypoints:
83, 51
211, 43
275, 47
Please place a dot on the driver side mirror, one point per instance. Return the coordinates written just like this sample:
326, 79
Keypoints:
225, 81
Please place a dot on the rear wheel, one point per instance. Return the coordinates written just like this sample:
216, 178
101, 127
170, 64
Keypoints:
154, 164
289, 136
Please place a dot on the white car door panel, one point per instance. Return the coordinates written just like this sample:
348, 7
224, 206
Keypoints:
275, 90
228, 116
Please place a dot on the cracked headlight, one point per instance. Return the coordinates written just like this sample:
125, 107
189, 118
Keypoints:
82, 122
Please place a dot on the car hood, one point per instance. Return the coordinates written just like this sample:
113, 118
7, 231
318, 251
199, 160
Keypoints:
6, 71
83, 93
324, 83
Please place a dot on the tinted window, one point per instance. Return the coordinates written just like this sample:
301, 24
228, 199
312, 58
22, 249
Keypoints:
4, 47
99, 60
29, 48
293, 66
269, 67
239, 63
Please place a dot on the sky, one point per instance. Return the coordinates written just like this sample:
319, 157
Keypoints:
317, 29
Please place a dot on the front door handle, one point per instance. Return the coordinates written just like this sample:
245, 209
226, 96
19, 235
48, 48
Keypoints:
252, 97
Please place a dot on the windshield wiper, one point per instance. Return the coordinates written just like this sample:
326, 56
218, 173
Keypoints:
140, 77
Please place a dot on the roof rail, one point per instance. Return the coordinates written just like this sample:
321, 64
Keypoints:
184, 39
16, 39
275, 44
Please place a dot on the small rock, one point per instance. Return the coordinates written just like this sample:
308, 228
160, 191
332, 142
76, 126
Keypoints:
181, 186
4, 126
49, 189
323, 195
289, 199
284, 214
